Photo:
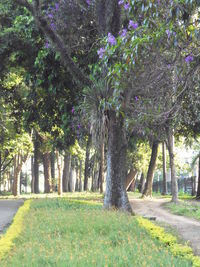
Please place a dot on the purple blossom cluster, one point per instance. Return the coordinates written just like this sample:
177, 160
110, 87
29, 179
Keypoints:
101, 52
111, 39
188, 59
133, 25
51, 14
125, 4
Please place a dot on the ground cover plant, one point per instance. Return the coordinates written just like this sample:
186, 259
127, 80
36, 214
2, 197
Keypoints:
185, 208
71, 232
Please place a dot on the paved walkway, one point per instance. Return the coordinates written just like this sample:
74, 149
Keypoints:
8, 208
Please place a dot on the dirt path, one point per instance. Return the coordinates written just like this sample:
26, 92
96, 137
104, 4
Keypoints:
8, 208
188, 229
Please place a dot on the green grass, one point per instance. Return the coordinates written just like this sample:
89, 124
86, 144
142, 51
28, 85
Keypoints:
69, 233
183, 196
185, 208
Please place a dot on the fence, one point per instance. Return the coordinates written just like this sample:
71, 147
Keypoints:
186, 185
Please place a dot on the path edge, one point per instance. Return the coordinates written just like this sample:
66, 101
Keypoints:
169, 241
7, 240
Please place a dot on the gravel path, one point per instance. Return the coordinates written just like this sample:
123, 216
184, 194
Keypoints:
187, 228
8, 208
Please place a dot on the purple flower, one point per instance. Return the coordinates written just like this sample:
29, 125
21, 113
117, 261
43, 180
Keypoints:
73, 110
136, 98
53, 26
111, 39
57, 6
101, 52
168, 33
88, 2
121, 2
169, 66
79, 126
126, 6
50, 15
47, 44
188, 59
123, 33
133, 25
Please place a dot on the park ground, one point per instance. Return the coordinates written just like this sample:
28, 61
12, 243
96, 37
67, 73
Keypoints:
74, 231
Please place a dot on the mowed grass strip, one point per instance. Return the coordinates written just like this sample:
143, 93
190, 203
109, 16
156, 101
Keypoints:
62, 232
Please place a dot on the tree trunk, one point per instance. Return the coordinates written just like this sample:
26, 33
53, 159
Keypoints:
66, 172
77, 180
198, 189
151, 169
47, 172
116, 195
101, 168
174, 184
130, 178
53, 177
33, 176
80, 177
59, 165
36, 164
17, 170
18, 162
164, 191
142, 183
87, 158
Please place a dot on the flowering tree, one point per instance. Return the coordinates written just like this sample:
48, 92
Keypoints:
145, 61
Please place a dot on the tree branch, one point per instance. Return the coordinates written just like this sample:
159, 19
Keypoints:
78, 75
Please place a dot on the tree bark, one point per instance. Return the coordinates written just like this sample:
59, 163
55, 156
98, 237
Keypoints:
53, 171
17, 170
33, 176
80, 177
152, 165
164, 192
174, 184
47, 172
36, 163
18, 162
142, 183
130, 178
66, 172
59, 165
116, 195
87, 158
101, 168
198, 188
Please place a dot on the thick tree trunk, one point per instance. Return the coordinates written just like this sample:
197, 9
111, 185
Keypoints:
66, 172
59, 166
151, 169
164, 191
198, 188
130, 178
47, 172
174, 184
101, 168
116, 195
36, 164
87, 158
142, 183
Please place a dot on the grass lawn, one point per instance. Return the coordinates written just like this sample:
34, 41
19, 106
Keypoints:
185, 208
63, 232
